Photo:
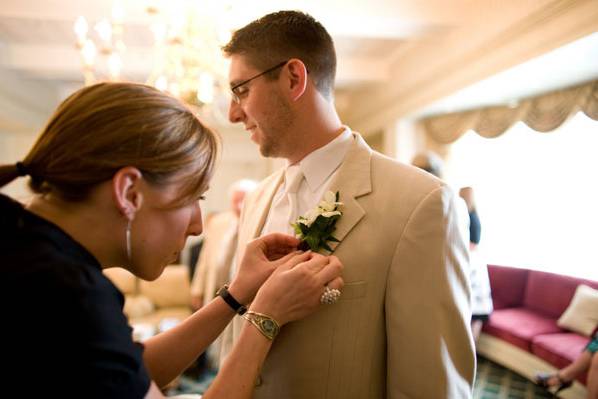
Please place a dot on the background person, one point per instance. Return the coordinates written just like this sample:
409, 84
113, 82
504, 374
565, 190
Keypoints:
481, 296
215, 261
587, 361
220, 244
481, 299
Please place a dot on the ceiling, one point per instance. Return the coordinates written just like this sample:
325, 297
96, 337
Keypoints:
37, 43
574, 63
39, 63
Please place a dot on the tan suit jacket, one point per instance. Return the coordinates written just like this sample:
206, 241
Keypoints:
401, 327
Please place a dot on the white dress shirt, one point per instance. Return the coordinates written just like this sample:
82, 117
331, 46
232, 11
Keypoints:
318, 168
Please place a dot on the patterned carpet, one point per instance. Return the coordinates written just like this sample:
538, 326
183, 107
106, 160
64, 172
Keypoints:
492, 382
496, 382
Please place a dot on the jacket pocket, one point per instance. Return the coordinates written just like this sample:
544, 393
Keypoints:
353, 290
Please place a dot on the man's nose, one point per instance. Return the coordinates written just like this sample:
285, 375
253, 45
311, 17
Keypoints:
235, 112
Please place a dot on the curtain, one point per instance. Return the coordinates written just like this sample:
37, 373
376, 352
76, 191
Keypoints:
542, 113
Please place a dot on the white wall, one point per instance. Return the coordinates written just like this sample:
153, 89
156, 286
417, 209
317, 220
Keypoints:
14, 147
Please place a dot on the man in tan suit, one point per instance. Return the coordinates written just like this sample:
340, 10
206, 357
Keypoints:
401, 326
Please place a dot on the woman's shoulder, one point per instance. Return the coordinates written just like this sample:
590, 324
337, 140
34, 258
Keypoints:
35, 267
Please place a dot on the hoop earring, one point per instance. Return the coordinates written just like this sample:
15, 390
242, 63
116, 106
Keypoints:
128, 240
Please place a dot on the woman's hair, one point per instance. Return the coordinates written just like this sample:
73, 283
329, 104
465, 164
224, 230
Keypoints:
102, 128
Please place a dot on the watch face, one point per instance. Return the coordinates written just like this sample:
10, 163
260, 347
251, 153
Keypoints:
269, 326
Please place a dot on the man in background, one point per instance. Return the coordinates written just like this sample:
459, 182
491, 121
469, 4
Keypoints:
217, 256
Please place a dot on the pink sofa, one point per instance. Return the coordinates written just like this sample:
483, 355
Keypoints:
522, 332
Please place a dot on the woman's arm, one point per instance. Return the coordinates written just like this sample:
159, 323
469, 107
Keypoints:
236, 378
240, 370
290, 293
168, 354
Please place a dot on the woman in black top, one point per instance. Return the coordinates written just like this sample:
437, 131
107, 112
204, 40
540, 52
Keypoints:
117, 173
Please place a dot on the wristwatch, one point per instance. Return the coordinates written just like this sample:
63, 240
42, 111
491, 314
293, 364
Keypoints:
231, 301
264, 323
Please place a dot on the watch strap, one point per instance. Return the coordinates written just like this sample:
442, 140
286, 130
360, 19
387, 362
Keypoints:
231, 301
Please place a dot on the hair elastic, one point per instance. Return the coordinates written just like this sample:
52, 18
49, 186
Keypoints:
21, 169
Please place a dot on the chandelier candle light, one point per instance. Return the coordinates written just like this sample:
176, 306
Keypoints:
186, 56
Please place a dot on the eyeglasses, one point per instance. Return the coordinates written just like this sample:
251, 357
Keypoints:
237, 90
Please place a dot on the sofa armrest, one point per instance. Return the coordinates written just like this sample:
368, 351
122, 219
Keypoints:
507, 285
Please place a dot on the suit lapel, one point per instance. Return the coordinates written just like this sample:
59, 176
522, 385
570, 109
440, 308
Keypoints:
352, 181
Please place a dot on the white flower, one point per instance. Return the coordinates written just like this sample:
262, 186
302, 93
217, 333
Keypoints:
316, 236
327, 208
329, 204
309, 217
330, 214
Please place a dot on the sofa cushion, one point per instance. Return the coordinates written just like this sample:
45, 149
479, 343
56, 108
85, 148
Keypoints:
582, 314
123, 279
172, 288
172, 315
508, 286
559, 349
137, 306
549, 293
519, 326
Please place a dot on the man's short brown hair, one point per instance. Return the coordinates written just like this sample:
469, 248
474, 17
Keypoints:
283, 35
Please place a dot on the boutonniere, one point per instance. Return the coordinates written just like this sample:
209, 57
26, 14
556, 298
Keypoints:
315, 228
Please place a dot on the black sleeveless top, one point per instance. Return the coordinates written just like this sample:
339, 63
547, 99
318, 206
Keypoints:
63, 329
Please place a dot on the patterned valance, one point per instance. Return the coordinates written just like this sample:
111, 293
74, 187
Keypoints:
542, 113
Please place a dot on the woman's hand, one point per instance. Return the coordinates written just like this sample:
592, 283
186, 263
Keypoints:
294, 289
262, 256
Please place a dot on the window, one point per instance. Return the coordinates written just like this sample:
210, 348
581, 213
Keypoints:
537, 195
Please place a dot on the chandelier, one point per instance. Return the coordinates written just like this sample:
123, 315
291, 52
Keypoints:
185, 58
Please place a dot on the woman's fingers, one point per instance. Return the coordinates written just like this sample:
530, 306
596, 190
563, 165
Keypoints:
315, 263
272, 246
336, 284
331, 271
293, 259
280, 253
277, 244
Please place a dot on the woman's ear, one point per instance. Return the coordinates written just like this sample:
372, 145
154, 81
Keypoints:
126, 191
297, 74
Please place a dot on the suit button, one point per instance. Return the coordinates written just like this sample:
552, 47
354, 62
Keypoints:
258, 381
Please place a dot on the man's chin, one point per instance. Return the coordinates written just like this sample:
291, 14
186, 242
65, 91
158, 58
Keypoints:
266, 151
266, 148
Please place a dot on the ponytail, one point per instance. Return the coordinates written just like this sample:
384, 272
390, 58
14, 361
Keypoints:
10, 172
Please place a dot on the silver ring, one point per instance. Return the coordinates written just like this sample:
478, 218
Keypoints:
330, 296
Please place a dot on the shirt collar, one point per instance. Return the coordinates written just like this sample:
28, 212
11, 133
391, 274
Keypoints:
321, 163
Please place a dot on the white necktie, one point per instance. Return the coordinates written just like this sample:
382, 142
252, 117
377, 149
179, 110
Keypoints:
284, 211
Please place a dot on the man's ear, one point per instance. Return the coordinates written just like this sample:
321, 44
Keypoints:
297, 74
126, 191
